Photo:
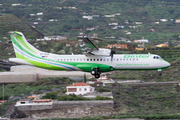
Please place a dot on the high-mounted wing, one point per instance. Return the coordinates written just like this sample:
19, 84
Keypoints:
88, 48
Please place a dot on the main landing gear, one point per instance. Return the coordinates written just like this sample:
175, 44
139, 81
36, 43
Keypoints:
159, 72
96, 72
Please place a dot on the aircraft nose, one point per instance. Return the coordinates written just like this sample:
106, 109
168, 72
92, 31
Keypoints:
167, 64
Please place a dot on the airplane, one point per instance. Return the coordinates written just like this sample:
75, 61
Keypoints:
94, 60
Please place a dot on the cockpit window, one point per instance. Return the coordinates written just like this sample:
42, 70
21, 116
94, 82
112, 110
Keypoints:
157, 57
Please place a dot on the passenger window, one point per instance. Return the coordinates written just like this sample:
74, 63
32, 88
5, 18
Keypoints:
74, 59
127, 59
87, 59
104, 60
100, 59
94, 59
117, 59
97, 59
107, 59
90, 59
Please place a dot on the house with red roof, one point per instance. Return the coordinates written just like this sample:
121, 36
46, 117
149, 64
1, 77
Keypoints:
2, 101
79, 89
162, 45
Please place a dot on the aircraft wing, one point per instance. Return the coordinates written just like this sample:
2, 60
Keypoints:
88, 48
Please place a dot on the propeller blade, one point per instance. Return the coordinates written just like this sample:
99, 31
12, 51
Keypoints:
112, 54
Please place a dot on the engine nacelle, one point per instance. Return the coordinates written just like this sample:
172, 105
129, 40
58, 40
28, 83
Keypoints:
102, 52
89, 67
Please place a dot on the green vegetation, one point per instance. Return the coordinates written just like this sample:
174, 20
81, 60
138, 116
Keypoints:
144, 99
147, 11
10, 22
43, 84
146, 117
102, 89
71, 98
52, 95
4, 106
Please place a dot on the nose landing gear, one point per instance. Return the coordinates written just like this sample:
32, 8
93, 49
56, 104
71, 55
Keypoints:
159, 72
96, 72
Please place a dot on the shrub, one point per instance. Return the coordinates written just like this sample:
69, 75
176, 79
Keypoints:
102, 98
71, 98
102, 90
50, 95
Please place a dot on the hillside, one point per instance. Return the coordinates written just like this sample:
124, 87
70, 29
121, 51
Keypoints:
65, 17
10, 22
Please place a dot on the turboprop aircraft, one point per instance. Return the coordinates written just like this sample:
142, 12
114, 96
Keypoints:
94, 60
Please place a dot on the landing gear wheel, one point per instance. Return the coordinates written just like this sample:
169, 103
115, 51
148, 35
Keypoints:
97, 76
92, 72
159, 73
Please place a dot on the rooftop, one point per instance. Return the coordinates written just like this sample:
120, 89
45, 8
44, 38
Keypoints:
79, 84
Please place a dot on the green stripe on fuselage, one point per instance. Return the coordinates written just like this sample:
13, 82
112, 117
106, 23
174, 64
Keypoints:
19, 38
40, 64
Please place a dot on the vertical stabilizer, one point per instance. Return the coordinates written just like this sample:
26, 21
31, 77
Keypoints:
21, 47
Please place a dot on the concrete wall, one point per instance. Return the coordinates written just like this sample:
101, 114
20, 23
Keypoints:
69, 109
25, 73
10, 77
43, 73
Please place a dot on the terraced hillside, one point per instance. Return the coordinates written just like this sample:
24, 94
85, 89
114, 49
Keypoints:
10, 22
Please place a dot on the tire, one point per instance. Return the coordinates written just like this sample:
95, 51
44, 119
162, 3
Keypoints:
97, 76
160, 73
92, 72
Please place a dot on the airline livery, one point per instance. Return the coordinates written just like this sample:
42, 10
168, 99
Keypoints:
94, 60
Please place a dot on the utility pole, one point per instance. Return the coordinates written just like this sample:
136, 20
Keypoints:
3, 91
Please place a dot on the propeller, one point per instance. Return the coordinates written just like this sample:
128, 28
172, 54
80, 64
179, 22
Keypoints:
111, 54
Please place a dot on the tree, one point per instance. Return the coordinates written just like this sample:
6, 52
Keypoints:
85, 80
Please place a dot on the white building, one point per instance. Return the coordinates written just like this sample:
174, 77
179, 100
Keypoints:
113, 23
156, 22
79, 89
138, 23
41, 13
163, 20
109, 15
128, 33
16, 4
104, 79
35, 102
88, 17
51, 20
35, 23
142, 41
32, 14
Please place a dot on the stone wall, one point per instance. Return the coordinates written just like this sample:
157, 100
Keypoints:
68, 109
14, 77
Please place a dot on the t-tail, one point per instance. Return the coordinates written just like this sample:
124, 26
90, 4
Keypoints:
23, 50
21, 47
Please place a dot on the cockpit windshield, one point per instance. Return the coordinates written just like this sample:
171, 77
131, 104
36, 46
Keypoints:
157, 57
